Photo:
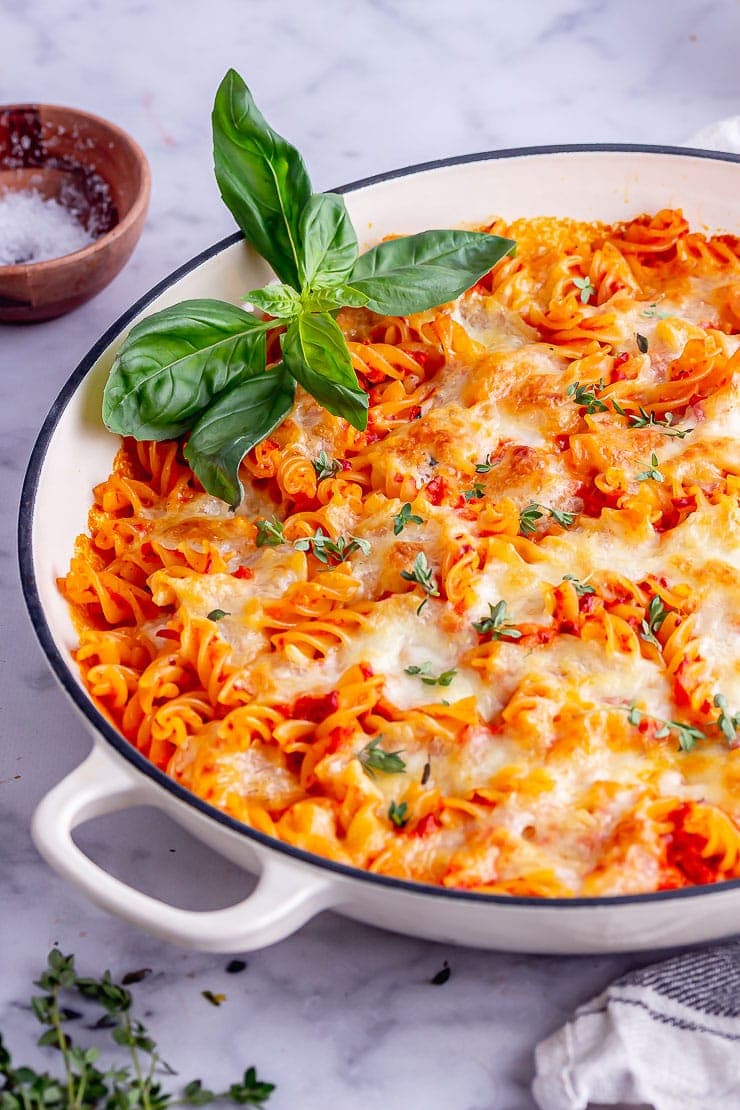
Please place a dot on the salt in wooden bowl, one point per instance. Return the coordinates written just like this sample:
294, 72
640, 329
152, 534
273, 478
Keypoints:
90, 166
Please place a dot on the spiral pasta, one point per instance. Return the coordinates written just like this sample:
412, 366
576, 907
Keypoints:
491, 642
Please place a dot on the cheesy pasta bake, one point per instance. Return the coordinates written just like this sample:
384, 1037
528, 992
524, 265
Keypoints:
491, 642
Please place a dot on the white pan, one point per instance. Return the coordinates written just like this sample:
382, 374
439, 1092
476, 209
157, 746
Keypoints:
74, 452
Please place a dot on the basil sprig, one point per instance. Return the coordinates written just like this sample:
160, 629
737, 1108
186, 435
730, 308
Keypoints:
199, 368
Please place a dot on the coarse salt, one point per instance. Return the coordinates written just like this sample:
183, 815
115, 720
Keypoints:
33, 228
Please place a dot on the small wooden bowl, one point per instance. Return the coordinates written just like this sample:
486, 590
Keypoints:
85, 163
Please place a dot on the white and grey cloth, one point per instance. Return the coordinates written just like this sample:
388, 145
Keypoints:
666, 1037
723, 135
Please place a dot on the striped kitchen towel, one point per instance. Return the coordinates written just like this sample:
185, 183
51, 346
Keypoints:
666, 1036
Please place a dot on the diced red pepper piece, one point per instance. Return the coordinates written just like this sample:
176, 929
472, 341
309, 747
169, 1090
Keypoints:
427, 825
311, 707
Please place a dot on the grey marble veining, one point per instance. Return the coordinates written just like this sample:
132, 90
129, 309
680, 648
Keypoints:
339, 1014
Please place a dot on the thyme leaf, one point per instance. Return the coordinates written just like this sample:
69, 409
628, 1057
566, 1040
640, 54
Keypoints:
728, 723
399, 815
586, 287
581, 588
652, 473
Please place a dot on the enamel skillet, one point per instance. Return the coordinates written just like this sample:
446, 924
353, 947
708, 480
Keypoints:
74, 452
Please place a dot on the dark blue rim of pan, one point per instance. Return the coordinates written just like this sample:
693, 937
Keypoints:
62, 668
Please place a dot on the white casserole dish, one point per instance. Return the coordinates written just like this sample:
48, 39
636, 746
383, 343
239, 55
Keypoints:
74, 452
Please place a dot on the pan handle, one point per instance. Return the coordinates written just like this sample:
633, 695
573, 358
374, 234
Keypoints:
286, 896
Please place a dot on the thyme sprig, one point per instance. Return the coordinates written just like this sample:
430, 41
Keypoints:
270, 533
330, 551
656, 614
728, 723
687, 735
374, 758
423, 575
587, 396
644, 419
325, 467
85, 1084
581, 587
535, 512
403, 517
497, 626
424, 672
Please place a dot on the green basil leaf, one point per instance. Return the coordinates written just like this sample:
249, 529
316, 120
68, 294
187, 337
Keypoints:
280, 301
172, 365
328, 240
408, 275
327, 298
316, 354
234, 423
262, 178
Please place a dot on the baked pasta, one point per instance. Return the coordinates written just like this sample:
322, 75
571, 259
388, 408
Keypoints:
491, 642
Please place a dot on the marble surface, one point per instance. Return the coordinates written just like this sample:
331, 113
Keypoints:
339, 1014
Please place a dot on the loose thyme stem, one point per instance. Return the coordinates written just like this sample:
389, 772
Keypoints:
56, 1020
144, 1084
